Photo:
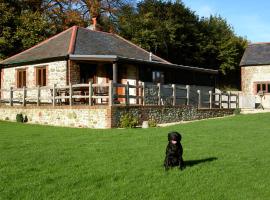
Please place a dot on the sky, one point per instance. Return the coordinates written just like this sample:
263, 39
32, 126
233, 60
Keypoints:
249, 18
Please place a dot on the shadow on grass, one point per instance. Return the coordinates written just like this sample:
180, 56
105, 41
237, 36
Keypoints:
190, 163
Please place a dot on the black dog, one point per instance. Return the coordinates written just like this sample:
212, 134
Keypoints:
174, 151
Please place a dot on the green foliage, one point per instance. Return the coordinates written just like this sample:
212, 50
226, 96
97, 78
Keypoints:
22, 25
128, 121
174, 32
152, 123
19, 118
237, 111
225, 160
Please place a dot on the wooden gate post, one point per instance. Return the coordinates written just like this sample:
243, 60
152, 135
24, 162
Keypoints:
199, 98
159, 94
90, 92
127, 93
11, 96
188, 94
111, 93
70, 94
38, 95
143, 93
174, 94
210, 99
24, 96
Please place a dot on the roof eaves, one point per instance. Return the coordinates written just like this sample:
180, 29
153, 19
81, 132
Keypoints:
203, 70
111, 58
37, 61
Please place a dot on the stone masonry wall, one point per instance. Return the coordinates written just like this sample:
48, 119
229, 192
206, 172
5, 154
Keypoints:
252, 74
105, 116
167, 114
56, 75
96, 117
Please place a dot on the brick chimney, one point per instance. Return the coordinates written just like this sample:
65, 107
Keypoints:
94, 26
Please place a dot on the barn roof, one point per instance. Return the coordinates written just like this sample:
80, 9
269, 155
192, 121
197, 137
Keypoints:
256, 54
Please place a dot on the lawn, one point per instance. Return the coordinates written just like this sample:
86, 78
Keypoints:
226, 159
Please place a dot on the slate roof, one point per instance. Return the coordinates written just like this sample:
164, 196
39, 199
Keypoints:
80, 41
256, 54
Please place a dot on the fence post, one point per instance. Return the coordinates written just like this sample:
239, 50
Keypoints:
210, 99
159, 94
199, 98
188, 94
229, 100
174, 94
220, 100
53, 94
143, 93
90, 93
38, 95
127, 93
237, 100
111, 93
70, 94
24, 96
11, 96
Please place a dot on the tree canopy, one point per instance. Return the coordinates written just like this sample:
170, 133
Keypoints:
166, 28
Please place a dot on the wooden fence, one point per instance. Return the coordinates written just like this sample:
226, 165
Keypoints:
110, 94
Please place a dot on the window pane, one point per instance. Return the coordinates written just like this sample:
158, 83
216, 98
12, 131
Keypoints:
258, 87
44, 77
39, 77
263, 87
24, 78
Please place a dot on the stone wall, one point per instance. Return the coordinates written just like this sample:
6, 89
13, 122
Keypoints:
252, 74
105, 116
56, 74
95, 117
167, 114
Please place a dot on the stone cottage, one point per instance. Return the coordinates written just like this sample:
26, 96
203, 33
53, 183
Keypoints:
255, 75
79, 56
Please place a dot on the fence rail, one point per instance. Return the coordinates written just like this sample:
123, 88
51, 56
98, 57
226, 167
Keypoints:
114, 94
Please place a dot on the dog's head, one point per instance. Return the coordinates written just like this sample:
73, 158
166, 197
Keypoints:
175, 136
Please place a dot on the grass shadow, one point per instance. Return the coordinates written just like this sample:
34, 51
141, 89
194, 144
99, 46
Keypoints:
190, 163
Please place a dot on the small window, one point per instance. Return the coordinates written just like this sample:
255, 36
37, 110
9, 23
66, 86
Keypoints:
268, 88
21, 78
264, 87
41, 76
258, 88
158, 77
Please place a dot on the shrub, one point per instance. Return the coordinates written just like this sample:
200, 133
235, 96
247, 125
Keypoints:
128, 121
25, 119
237, 111
152, 123
19, 118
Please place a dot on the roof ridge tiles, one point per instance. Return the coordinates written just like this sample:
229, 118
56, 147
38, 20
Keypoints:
73, 40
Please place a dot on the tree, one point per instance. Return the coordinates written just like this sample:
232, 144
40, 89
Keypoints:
174, 32
81, 12
22, 25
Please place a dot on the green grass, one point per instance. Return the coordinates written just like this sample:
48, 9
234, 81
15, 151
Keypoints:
227, 159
